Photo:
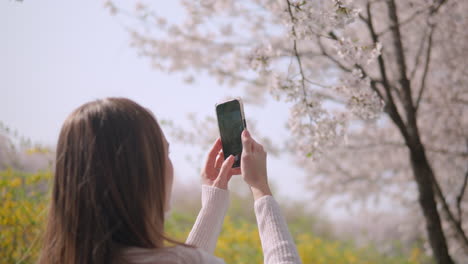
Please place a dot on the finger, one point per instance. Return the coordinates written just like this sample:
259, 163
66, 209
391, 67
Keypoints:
219, 160
226, 168
246, 141
217, 146
259, 147
254, 144
229, 177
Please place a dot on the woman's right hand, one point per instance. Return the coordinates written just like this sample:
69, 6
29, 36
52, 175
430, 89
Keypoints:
253, 166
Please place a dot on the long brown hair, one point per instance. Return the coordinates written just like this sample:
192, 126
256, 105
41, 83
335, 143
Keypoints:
109, 187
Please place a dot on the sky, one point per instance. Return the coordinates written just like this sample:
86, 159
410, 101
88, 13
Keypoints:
58, 55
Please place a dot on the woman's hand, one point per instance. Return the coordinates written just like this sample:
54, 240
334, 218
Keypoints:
253, 166
217, 171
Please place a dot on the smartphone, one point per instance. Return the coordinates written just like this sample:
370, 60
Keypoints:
231, 123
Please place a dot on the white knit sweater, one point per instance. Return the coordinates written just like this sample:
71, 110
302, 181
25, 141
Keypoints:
277, 243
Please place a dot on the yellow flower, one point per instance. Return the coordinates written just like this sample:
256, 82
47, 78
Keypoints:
15, 182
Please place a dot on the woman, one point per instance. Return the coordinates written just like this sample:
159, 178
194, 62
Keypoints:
112, 186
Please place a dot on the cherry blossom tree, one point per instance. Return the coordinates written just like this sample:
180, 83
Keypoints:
377, 89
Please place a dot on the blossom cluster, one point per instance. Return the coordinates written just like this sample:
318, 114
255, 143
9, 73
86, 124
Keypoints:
257, 58
362, 102
311, 18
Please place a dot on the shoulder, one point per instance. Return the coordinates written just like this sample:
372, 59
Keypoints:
170, 255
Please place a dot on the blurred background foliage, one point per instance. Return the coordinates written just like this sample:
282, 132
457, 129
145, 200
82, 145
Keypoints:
24, 199
25, 182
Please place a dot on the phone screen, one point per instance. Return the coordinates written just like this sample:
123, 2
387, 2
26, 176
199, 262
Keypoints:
231, 124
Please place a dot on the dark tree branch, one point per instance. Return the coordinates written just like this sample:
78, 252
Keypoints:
374, 87
364, 19
460, 233
437, 6
330, 57
418, 55
426, 69
460, 197
296, 53
348, 69
390, 105
400, 59
405, 21
460, 101
432, 9
460, 154
462, 192
421, 166
298, 59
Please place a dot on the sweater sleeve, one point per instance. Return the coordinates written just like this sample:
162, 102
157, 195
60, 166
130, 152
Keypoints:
277, 243
207, 227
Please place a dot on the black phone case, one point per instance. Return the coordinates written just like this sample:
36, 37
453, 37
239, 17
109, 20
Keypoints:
227, 153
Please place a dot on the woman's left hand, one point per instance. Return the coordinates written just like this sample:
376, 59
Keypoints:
217, 171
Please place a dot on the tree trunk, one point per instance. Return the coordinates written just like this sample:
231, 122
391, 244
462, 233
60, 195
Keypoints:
423, 174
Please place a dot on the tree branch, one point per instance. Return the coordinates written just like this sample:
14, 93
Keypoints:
460, 154
349, 177
460, 197
426, 69
400, 59
345, 68
373, 85
432, 9
436, 7
451, 218
330, 57
298, 59
380, 144
237, 77
405, 21
462, 192
390, 103
418, 55
296, 53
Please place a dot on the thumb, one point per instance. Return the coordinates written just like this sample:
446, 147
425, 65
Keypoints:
223, 176
246, 140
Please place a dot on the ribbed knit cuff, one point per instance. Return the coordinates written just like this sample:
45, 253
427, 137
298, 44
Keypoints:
215, 197
263, 199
